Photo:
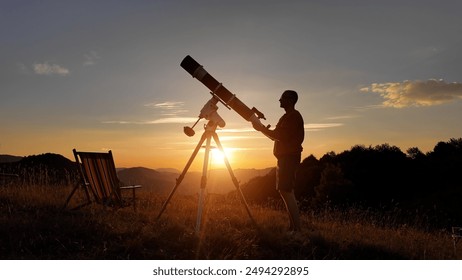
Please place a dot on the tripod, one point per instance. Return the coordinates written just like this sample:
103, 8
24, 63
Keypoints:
209, 133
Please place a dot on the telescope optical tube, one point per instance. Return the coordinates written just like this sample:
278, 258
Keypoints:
197, 71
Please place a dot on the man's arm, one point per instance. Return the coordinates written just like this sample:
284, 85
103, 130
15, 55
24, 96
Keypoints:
271, 134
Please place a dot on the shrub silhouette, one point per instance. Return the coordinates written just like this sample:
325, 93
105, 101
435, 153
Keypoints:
382, 178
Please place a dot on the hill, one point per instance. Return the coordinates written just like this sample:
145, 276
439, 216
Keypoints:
43, 169
218, 180
9, 158
55, 169
150, 179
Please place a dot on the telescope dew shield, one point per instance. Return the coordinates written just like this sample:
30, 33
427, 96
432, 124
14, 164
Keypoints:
197, 71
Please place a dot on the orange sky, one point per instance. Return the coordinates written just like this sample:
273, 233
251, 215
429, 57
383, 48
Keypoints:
106, 75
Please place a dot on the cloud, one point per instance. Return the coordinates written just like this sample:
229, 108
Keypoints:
342, 117
50, 69
321, 126
171, 113
241, 137
158, 121
169, 108
237, 130
369, 107
167, 105
173, 120
308, 127
416, 93
90, 58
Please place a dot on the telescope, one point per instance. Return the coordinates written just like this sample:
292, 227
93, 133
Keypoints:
209, 112
220, 94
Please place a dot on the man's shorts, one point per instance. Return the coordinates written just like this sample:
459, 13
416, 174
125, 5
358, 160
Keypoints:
285, 172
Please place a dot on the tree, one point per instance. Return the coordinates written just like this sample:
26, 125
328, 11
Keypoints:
333, 186
415, 153
308, 176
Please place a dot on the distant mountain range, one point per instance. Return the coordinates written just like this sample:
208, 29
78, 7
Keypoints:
9, 158
218, 180
60, 170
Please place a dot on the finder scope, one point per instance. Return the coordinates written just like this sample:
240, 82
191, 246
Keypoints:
218, 90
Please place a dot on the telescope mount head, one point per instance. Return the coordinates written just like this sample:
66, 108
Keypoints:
208, 112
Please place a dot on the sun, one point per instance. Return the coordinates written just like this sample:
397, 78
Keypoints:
218, 157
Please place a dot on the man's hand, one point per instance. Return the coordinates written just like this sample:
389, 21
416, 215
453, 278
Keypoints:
258, 126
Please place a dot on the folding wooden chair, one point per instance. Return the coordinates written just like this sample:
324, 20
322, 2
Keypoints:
99, 180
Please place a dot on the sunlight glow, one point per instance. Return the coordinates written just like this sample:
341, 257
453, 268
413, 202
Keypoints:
218, 158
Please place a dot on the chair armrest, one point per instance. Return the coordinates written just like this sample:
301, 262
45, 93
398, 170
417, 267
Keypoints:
130, 187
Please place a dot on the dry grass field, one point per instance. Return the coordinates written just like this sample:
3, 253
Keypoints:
33, 226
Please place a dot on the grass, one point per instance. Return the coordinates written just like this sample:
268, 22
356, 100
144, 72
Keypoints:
32, 226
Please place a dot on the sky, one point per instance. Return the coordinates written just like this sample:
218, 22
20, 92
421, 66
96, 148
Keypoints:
100, 75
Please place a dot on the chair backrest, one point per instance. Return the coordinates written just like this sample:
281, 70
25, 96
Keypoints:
99, 173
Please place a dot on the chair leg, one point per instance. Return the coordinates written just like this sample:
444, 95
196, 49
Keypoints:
134, 200
87, 195
69, 197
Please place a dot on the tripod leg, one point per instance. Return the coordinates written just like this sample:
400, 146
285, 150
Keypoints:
203, 184
181, 177
233, 178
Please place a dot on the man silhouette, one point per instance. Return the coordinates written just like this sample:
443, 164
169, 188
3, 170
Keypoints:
288, 137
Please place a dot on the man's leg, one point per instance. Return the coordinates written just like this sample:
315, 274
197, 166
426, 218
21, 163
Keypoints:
292, 209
